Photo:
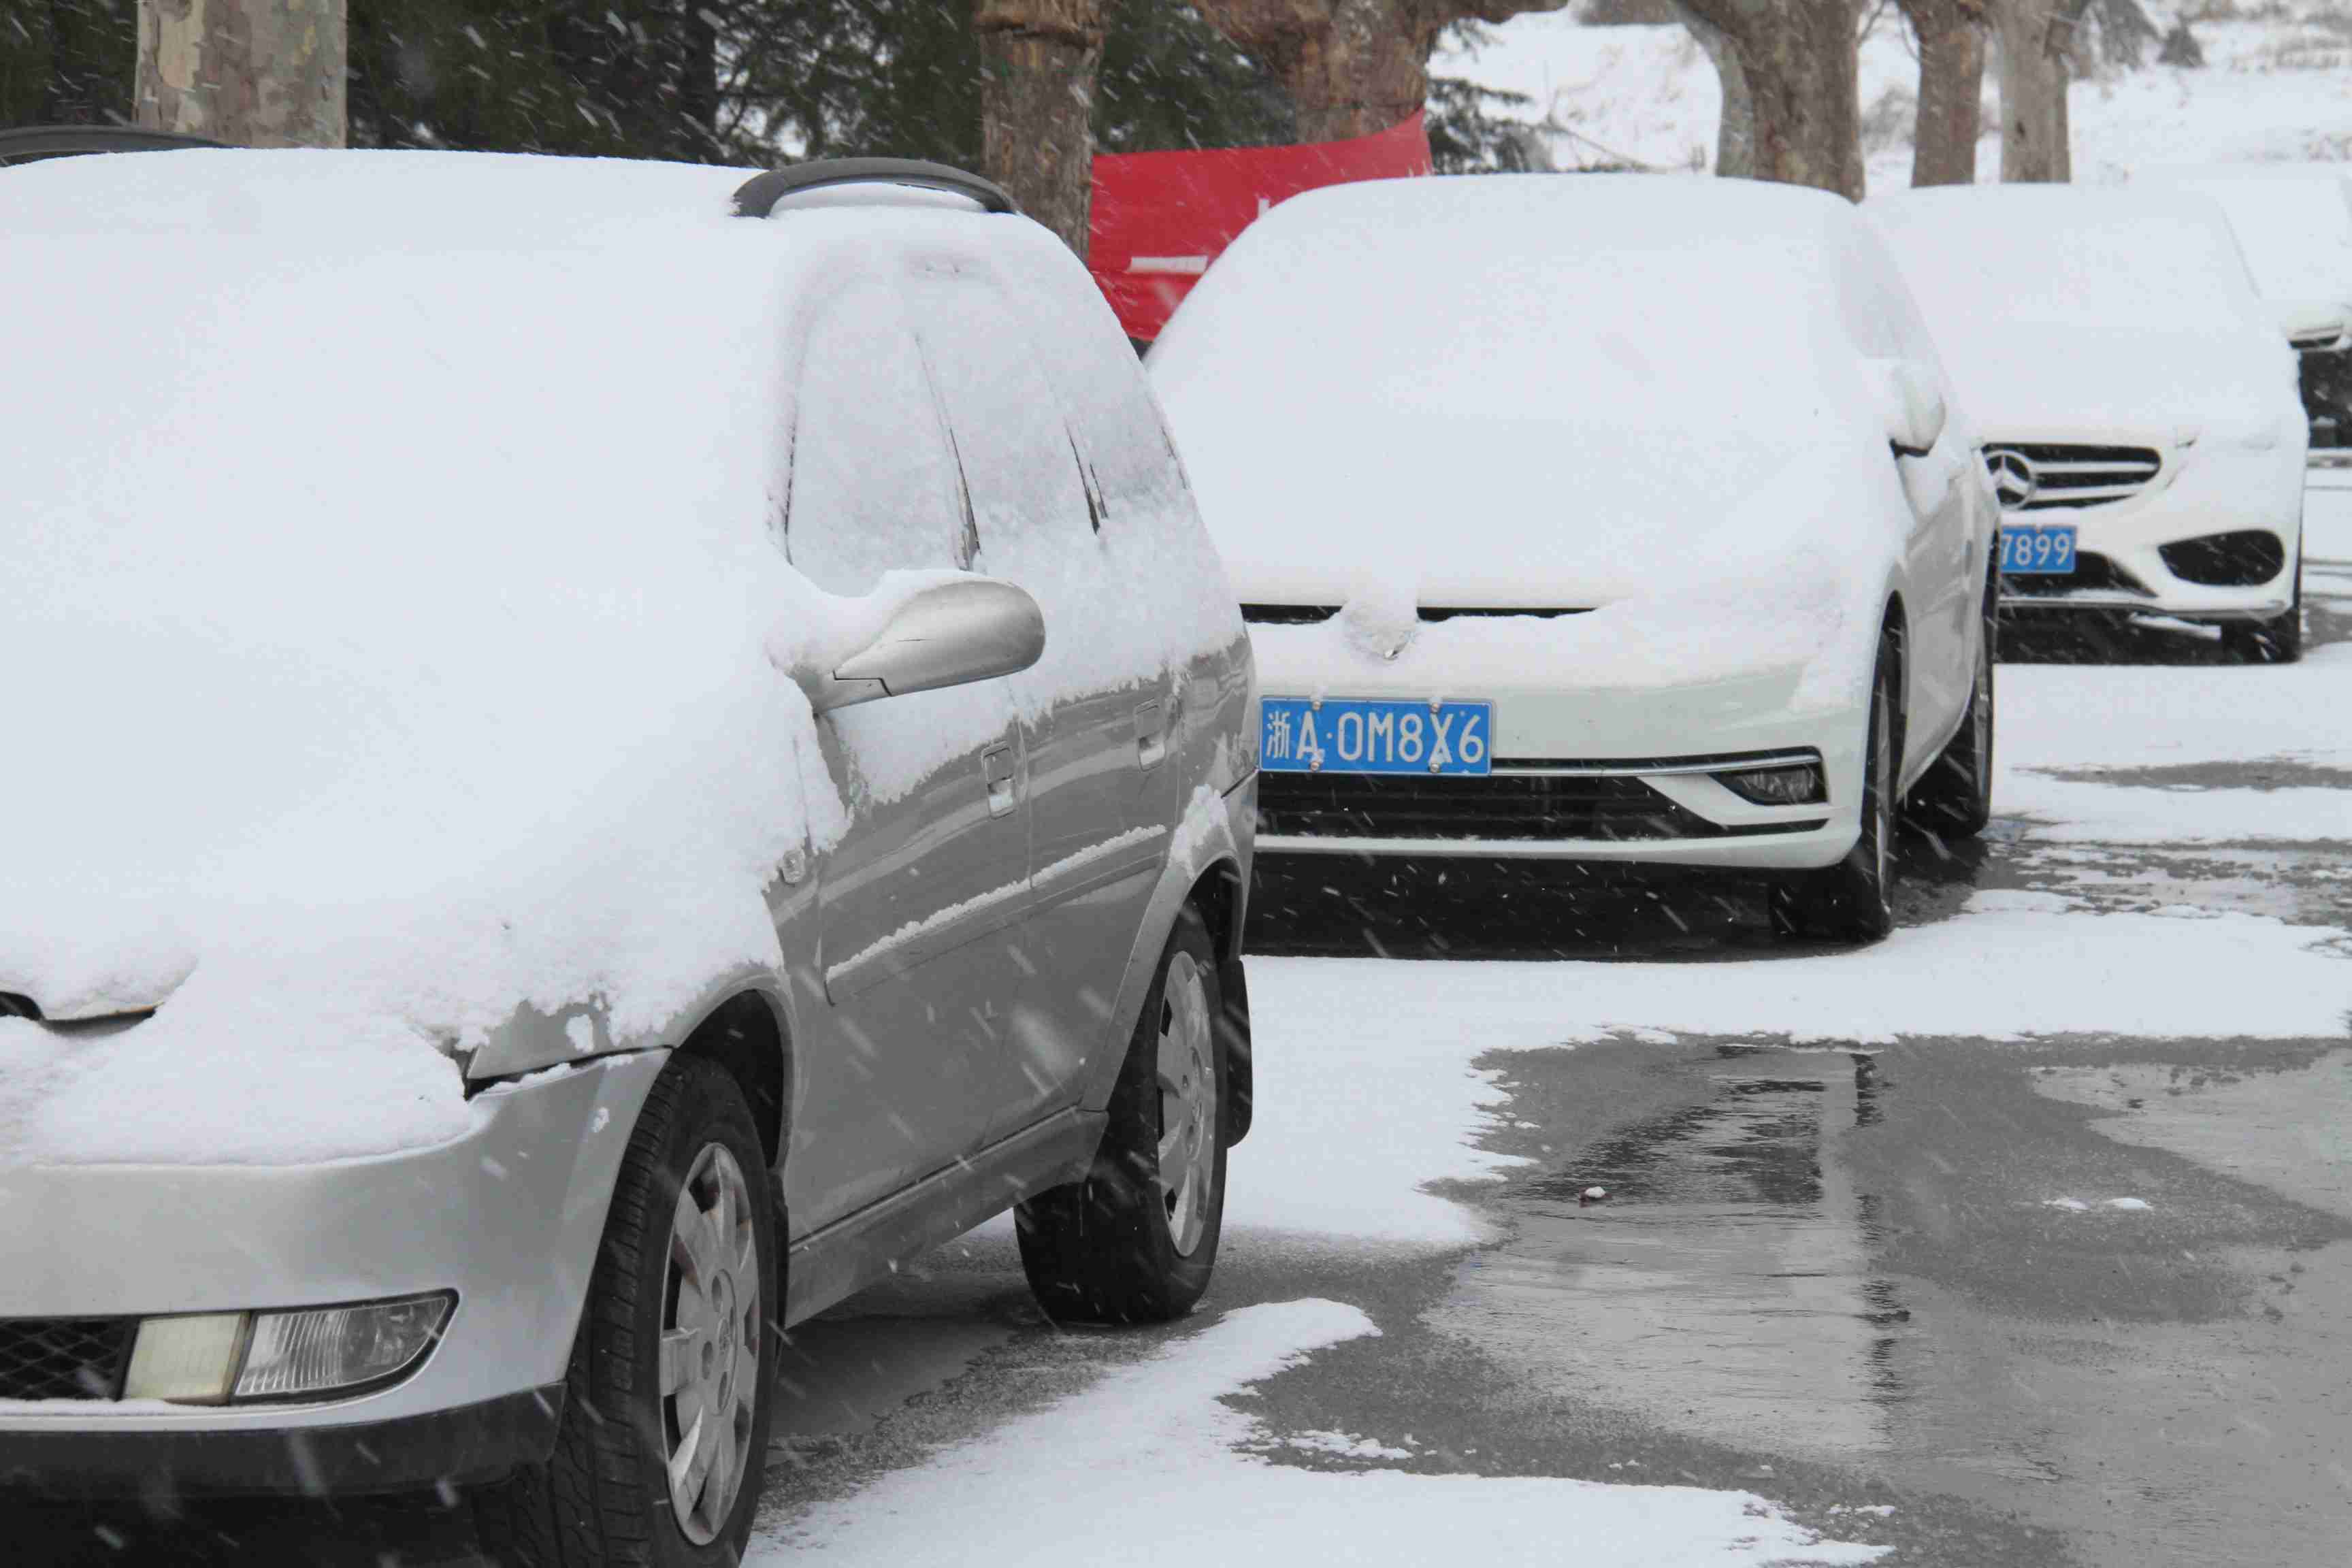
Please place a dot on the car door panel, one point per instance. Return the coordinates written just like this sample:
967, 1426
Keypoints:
919, 903
1093, 726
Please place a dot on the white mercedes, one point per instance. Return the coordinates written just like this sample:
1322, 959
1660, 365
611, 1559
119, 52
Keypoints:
1603, 519
2138, 400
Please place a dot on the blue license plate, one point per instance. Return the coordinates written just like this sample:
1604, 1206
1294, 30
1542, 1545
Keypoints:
1374, 736
2027, 550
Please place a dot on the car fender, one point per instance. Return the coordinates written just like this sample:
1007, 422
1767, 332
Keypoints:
533, 1037
1210, 836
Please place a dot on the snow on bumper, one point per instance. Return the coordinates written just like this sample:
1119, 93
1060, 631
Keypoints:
2220, 486
506, 1217
1605, 742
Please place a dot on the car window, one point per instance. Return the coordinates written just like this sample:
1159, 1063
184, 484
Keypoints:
1018, 457
873, 487
1101, 391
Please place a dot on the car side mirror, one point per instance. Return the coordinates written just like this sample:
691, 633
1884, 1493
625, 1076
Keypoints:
949, 634
1913, 404
2313, 326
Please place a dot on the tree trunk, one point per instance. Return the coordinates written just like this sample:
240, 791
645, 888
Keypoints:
2034, 38
1352, 68
253, 73
1951, 90
1735, 134
1037, 62
1797, 60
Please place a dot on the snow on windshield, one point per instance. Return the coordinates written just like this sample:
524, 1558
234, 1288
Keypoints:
1600, 299
2295, 225
2060, 307
2063, 255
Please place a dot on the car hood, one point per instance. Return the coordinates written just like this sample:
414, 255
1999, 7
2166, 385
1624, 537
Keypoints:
1490, 508
2235, 386
1788, 576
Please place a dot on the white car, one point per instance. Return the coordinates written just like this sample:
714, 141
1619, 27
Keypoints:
1604, 520
2137, 399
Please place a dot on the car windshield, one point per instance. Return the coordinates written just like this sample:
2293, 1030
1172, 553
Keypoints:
1609, 307
2154, 267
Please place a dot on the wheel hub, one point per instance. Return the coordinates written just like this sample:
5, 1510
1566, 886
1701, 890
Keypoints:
1188, 1102
709, 1366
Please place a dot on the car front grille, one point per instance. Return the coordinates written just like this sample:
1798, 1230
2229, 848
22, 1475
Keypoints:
2066, 475
64, 1358
1516, 807
2240, 560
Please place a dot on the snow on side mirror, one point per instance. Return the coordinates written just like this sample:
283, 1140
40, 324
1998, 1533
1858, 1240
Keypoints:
1913, 404
2313, 326
951, 634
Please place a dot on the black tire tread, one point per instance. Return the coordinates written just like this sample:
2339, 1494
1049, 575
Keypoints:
583, 1509
2270, 642
1946, 801
1094, 1249
1837, 901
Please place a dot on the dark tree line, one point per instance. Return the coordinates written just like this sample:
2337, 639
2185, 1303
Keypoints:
702, 80
714, 80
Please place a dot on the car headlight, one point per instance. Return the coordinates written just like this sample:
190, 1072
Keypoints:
300, 1353
1796, 784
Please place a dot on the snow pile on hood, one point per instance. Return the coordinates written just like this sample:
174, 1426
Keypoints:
2073, 308
391, 592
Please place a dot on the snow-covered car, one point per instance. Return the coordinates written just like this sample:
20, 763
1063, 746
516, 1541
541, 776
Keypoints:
2295, 222
1603, 519
2137, 399
597, 758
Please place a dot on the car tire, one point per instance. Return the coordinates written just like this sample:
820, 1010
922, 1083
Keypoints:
2269, 642
692, 1205
1954, 800
1852, 900
1134, 1240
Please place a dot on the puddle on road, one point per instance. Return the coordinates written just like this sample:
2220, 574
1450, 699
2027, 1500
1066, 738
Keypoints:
1723, 1287
2289, 1131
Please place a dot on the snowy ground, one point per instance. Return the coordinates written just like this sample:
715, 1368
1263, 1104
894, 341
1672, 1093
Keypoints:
2166, 885
2272, 90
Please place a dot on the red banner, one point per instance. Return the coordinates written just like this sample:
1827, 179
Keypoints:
1160, 219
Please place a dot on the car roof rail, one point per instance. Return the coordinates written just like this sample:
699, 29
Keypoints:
24, 143
758, 197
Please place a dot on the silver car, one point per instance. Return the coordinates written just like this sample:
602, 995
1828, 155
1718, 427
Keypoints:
791, 589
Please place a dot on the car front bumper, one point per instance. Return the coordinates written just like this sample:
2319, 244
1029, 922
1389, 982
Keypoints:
1667, 738
2201, 492
506, 1217
465, 1445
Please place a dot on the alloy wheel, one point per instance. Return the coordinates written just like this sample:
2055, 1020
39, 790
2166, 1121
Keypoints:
1188, 1090
711, 1364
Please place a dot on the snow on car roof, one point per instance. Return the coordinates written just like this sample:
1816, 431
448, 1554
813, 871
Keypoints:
426, 199
2092, 309
2293, 220
2069, 253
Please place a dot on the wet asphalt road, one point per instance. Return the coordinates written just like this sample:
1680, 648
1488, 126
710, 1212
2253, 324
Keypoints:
1848, 1279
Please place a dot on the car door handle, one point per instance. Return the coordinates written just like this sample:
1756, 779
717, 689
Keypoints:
996, 767
1150, 734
